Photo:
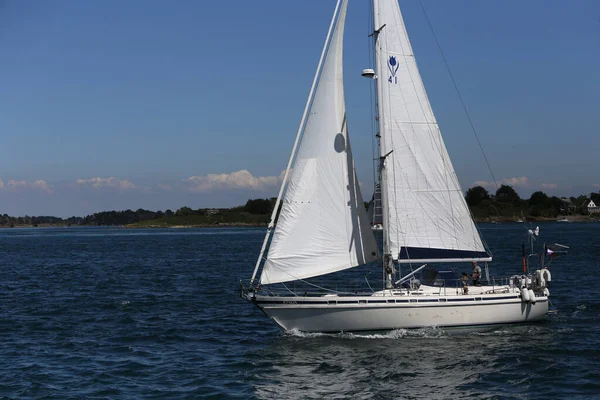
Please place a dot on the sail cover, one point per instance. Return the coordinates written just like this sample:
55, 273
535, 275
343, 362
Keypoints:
322, 226
427, 216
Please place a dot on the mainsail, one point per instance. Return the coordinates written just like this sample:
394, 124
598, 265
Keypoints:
426, 217
322, 226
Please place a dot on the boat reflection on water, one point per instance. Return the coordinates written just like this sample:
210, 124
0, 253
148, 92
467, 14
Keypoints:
408, 364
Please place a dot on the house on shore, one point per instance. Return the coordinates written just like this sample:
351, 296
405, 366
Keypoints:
592, 207
567, 207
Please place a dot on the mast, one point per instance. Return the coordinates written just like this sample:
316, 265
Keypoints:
387, 259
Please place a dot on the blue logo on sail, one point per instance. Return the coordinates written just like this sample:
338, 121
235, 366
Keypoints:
393, 67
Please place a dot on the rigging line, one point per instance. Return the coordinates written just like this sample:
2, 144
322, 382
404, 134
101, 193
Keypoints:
283, 284
321, 287
316, 286
437, 42
470, 122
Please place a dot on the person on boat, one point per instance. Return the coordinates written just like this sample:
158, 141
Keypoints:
476, 275
464, 281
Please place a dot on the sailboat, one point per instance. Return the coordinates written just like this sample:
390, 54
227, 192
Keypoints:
322, 226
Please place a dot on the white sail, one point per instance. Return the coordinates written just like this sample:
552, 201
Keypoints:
322, 227
426, 216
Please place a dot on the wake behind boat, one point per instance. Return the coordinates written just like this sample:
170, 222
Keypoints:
323, 226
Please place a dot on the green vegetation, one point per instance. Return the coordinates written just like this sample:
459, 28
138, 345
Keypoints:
507, 205
504, 205
254, 212
8, 221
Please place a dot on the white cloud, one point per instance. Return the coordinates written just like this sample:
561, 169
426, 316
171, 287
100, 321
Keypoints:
111, 182
125, 184
485, 184
549, 186
162, 186
521, 181
43, 185
38, 184
236, 180
12, 184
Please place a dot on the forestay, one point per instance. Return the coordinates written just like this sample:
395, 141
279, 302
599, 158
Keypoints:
427, 218
323, 226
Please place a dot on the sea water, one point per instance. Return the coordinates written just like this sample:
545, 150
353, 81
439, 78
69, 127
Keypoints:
104, 313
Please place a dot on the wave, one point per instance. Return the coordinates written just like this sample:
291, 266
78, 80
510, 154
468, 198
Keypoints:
429, 332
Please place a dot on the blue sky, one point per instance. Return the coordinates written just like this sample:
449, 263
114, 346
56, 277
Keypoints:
154, 104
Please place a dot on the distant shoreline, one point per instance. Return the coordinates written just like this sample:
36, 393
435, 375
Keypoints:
489, 220
180, 226
136, 226
505, 207
562, 218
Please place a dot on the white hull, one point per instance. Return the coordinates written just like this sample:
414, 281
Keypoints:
388, 312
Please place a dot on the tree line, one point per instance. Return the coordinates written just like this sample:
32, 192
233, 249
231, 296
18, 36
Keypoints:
8, 221
507, 203
260, 207
504, 203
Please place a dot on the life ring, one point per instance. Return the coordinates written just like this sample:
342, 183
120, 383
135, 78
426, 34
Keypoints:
540, 281
545, 273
